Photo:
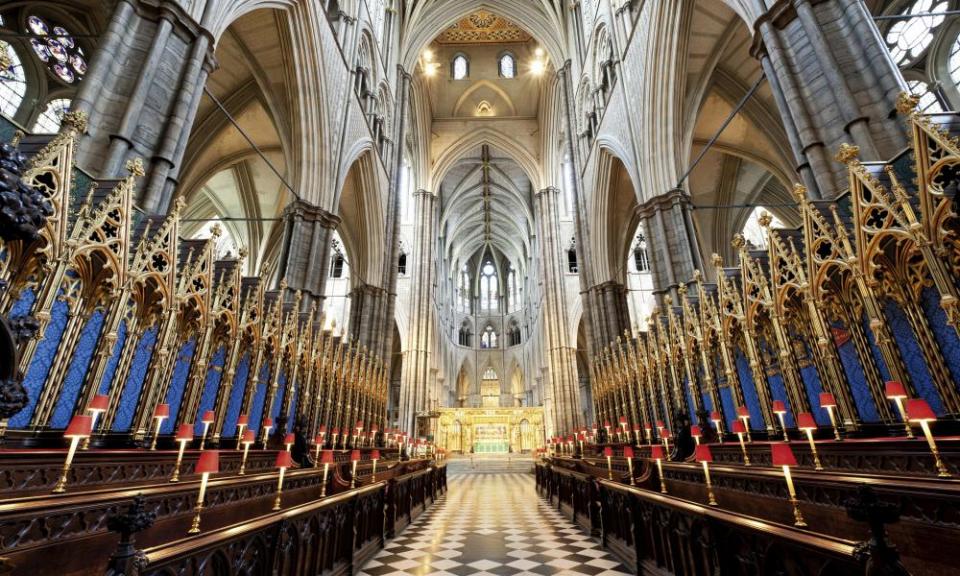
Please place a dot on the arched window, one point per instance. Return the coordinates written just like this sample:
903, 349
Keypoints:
908, 39
754, 233
641, 262
49, 120
60, 52
572, 261
402, 264
507, 66
13, 82
929, 101
513, 335
460, 67
489, 338
489, 289
464, 337
513, 290
337, 260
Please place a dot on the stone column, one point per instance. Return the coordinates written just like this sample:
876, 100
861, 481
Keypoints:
611, 313
561, 355
834, 82
672, 237
141, 95
413, 391
306, 250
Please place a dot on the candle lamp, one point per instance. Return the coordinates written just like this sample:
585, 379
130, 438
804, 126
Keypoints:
920, 412
322, 434
288, 440
656, 452
79, 428
660, 427
807, 425
743, 415
782, 455
267, 427
898, 393
665, 434
623, 426
374, 456
207, 419
580, 438
248, 438
334, 434
648, 430
829, 403
608, 454
160, 413
184, 436
628, 454
209, 463
704, 456
718, 424
740, 430
359, 428
696, 433
637, 429
780, 409
99, 405
326, 459
317, 445
242, 422
354, 458
606, 426
570, 441
373, 434
284, 461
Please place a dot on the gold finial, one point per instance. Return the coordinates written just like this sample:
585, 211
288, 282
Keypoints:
179, 204
283, 284
907, 103
847, 153
242, 253
682, 289
800, 192
899, 192
668, 299
76, 120
765, 219
738, 241
716, 259
135, 167
697, 275
6, 62
215, 231
17, 137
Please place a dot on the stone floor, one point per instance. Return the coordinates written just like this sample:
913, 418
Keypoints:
492, 524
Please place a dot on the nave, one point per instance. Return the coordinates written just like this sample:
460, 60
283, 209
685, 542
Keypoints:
492, 523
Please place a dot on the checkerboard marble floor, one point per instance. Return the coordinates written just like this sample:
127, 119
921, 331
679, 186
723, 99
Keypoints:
492, 524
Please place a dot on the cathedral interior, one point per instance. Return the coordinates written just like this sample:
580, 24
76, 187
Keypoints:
386, 287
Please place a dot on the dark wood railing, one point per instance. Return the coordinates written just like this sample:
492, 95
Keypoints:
658, 534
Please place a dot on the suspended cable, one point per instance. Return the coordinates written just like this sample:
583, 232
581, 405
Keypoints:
723, 127
922, 15
230, 219
252, 143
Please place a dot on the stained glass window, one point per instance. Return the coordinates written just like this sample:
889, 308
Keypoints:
13, 82
928, 99
489, 289
908, 39
57, 48
508, 66
49, 120
488, 340
461, 67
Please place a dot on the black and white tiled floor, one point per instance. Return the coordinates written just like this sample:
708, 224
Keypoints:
492, 524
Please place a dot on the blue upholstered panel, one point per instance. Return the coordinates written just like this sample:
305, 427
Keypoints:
181, 371
236, 397
79, 362
912, 356
858, 383
256, 409
131, 388
749, 393
209, 395
945, 334
42, 360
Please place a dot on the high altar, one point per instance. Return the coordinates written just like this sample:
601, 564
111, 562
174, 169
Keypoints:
490, 430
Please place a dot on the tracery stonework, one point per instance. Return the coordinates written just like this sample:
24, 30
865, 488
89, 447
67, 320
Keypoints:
485, 28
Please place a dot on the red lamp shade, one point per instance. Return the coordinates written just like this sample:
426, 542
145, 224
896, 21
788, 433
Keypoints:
243, 420
323, 429
289, 439
359, 425
185, 433
647, 426
375, 455
656, 452
208, 417
209, 462
336, 431
326, 457
581, 437
695, 431
80, 426
743, 412
570, 438
703, 453
919, 411
738, 427
715, 416
805, 421
606, 423
608, 452
354, 455
628, 451
161, 411
318, 439
660, 424
827, 400
374, 429
782, 455
637, 427
623, 419
666, 433
284, 459
100, 403
268, 422
895, 389
248, 437
779, 407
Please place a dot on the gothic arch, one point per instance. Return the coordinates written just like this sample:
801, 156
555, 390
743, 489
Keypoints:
613, 216
360, 207
477, 138
484, 84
